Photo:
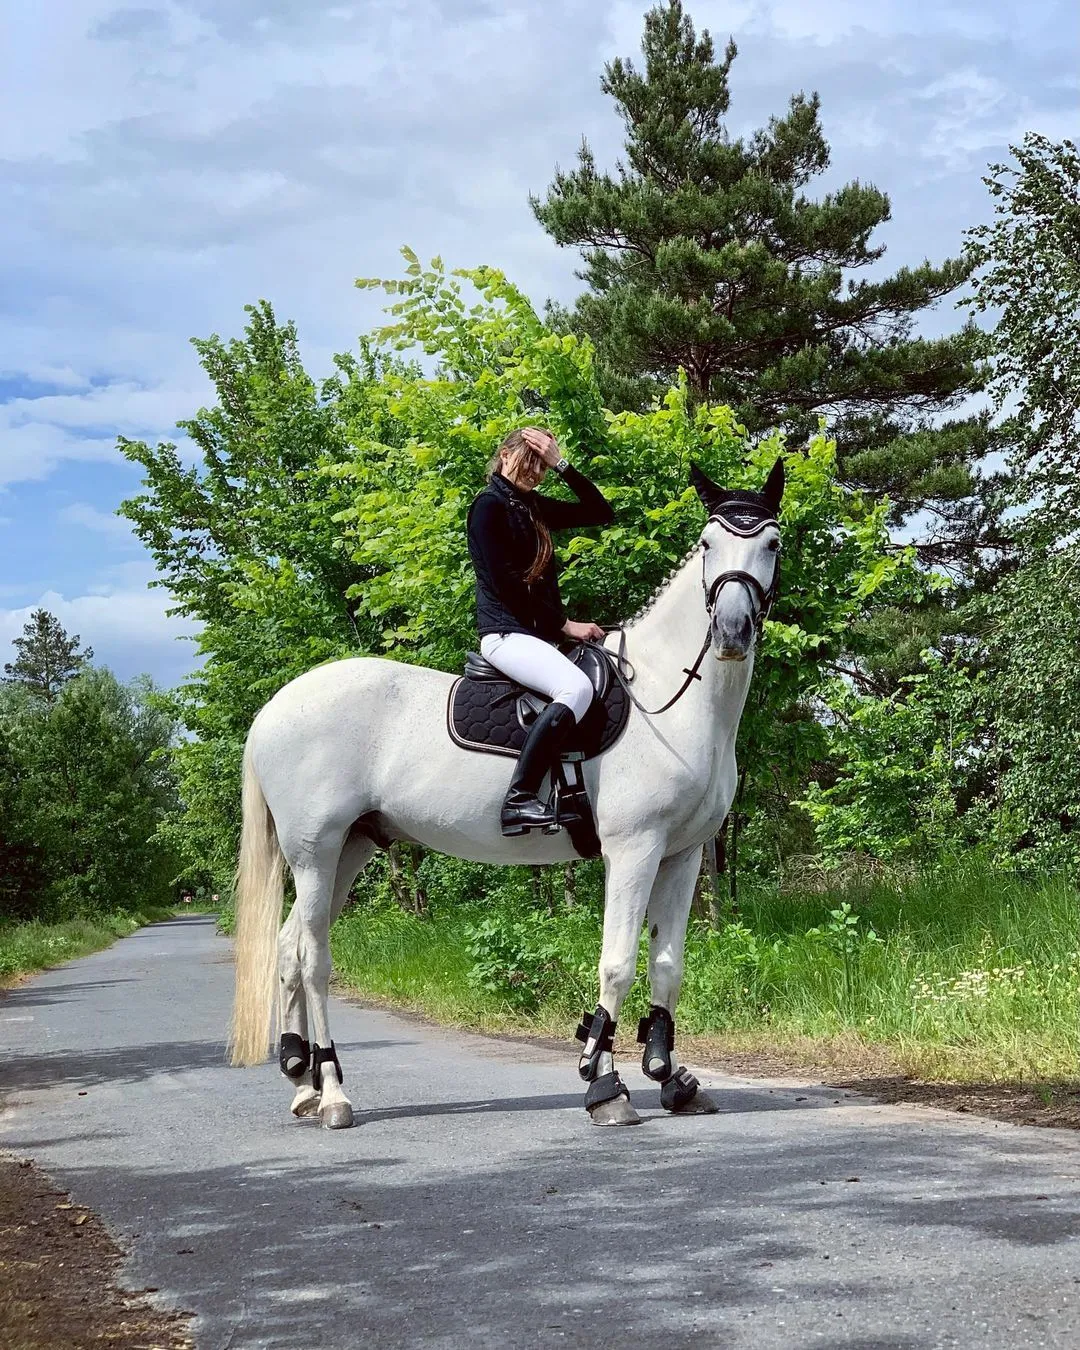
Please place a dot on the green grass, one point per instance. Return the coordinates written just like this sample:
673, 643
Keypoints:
955, 974
425, 965
29, 947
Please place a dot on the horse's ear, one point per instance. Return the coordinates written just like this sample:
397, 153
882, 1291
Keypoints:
773, 491
710, 493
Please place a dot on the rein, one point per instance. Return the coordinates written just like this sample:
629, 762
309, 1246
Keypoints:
760, 599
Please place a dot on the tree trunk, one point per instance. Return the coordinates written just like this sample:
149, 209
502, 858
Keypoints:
399, 884
733, 864
699, 905
712, 872
414, 855
569, 886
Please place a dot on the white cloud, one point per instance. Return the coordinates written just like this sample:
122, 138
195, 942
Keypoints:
126, 625
38, 434
101, 522
124, 407
31, 451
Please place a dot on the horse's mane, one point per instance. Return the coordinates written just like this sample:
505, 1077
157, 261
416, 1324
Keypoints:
640, 613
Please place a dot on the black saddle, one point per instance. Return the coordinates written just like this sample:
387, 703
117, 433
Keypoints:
488, 712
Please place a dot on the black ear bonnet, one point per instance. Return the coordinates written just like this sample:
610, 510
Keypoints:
744, 513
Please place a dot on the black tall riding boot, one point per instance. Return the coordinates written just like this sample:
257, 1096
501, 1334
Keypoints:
523, 810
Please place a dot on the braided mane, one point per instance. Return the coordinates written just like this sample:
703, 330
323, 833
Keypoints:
663, 586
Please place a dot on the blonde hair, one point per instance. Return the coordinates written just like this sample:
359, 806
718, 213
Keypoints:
517, 445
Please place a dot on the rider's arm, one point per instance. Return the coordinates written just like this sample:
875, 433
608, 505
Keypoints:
591, 507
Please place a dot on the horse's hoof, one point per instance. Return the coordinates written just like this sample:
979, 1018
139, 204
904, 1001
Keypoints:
305, 1103
700, 1104
616, 1112
336, 1116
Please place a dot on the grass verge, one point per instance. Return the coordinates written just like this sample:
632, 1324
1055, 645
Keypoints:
29, 947
959, 975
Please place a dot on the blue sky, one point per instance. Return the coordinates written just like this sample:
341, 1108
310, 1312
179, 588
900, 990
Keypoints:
162, 164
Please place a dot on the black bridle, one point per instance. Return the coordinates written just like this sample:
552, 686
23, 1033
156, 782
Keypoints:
761, 598
746, 525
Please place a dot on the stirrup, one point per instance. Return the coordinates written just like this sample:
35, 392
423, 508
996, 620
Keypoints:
566, 804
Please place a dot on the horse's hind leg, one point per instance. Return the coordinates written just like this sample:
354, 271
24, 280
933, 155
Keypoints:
294, 1056
315, 874
669, 913
295, 1051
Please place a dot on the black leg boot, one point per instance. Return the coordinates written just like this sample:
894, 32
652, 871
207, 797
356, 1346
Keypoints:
523, 810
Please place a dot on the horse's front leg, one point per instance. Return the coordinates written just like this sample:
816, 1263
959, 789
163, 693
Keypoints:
630, 871
669, 913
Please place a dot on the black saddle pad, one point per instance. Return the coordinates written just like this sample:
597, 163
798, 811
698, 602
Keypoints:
494, 716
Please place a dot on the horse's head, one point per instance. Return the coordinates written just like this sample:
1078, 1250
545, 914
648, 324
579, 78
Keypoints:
741, 567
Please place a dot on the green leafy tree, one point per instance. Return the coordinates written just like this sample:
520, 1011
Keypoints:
47, 657
103, 786
244, 543
1028, 261
910, 767
86, 787
405, 505
1035, 623
986, 747
23, 871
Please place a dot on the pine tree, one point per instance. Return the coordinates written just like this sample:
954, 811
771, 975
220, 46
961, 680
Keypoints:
47, 657
704, 251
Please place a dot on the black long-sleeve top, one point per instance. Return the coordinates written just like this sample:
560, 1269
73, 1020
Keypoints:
503, 543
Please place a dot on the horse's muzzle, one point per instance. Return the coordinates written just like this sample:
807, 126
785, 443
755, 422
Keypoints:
732, 638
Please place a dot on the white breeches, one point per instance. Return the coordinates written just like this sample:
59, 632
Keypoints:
540, 666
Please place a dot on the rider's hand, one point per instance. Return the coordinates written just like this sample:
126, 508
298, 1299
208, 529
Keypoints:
582, 632
544, 443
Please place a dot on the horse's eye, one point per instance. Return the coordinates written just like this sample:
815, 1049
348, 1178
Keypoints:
774, 545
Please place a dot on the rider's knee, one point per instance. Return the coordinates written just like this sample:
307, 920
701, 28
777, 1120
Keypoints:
577, 693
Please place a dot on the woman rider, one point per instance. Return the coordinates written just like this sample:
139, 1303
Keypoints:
520, 614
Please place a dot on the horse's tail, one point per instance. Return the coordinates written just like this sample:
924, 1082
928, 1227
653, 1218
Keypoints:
259, 893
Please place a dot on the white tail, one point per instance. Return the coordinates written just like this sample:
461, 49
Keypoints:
259, 894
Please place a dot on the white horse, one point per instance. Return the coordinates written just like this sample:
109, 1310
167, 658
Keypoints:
356, 754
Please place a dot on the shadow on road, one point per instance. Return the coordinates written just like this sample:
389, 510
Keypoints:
625, 1231
42, 995
131, 1064
497, 1216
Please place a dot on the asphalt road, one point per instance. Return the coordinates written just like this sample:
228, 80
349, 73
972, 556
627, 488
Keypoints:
474, 1205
